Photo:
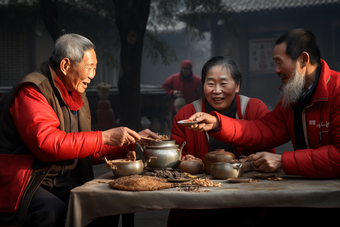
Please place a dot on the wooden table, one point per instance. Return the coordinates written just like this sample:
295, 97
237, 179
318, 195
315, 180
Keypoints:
95, 199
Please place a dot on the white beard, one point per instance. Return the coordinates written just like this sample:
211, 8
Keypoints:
293, 89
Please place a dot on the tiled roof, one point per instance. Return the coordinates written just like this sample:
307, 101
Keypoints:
247, 6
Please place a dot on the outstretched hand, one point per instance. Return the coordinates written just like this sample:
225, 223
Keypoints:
148, 133
120, 136
206, 122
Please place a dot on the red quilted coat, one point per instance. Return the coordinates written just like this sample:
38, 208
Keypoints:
197, 142
321, 124
38, 126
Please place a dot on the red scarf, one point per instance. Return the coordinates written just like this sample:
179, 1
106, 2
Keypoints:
73, 100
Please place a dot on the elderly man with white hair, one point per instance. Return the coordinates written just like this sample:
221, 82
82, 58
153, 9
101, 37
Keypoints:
46, 144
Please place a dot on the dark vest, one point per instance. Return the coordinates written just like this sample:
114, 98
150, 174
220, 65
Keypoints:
11, 143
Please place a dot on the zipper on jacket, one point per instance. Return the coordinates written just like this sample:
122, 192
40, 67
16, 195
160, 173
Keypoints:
304, 125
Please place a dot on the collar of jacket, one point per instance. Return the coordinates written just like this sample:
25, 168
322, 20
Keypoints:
321, 90
72, 99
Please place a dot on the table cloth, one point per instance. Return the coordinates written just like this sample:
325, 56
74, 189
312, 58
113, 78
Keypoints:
96, 199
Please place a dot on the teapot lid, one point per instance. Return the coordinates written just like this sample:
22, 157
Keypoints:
162, 143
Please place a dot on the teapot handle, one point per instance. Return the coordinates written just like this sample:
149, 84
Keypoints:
140, 146
112, 166
180, 150
149, 160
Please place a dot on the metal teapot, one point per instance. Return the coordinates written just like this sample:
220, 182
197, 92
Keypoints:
224, 170
162, 154
123, 167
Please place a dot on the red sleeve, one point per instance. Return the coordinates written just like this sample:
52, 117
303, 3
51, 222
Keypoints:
38, 127
255, 110
258, 134
111, 153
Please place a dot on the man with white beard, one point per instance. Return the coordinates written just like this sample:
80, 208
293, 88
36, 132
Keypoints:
308, 114
292, 91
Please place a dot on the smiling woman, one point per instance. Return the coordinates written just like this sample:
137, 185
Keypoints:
221, 82
220, 87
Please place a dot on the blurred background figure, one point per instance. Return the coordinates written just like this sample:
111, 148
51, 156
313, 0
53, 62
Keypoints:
182, 87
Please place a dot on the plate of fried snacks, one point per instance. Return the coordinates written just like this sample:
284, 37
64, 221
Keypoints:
187, 122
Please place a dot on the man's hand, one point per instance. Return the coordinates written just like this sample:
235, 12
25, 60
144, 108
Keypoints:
206, 122
148, 133
266, 161
119, 136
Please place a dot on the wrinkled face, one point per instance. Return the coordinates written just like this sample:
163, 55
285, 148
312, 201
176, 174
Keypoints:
285, 66
220, 88
79, 76
186, 71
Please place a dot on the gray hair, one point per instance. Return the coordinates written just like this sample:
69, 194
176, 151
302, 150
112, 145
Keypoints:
71, 46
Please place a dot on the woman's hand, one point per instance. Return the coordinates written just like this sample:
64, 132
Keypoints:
206, 122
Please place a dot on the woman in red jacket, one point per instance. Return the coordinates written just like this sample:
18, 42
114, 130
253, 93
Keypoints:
221, 82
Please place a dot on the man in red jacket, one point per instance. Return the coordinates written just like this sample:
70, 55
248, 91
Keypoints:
308, 114
184, 83
46, 143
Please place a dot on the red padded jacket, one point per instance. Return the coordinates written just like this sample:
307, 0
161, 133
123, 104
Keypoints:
38, 124
321, 124
197, 142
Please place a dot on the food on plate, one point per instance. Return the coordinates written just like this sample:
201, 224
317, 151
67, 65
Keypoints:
140, 183
150, 139
187, 122
191, 188
162, 137
169, 174
275, 178
205, 182
109, 163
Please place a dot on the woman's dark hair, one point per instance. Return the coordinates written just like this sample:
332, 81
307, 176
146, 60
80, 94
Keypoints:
226, 63
300, 40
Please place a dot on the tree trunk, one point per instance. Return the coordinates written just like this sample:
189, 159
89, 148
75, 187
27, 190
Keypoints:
131, 20
49, 14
